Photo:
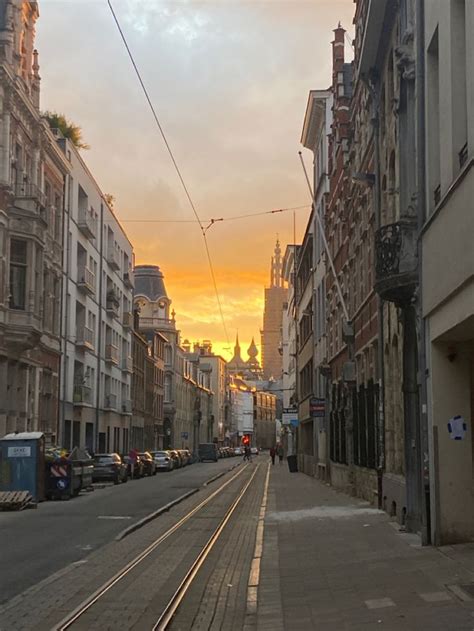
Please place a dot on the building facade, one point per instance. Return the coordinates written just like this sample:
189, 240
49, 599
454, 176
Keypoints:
311, 296
264, 419
32, 173
97, 320
448, 265
271, 335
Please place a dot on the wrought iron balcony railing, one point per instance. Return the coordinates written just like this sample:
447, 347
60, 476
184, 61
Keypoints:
396, 264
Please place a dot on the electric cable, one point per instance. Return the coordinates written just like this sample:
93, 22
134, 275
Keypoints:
175, 164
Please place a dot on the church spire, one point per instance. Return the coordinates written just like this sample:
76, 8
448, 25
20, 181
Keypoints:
276, 268
237, 346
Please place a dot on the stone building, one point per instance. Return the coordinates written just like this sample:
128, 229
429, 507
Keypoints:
271, 334
448, 265
147, 389
97, 319
187, 392
385, 53
264, 419
352, 308
32, 173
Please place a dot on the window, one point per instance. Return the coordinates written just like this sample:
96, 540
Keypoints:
18, 262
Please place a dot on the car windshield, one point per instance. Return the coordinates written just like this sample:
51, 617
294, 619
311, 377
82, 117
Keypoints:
104, 459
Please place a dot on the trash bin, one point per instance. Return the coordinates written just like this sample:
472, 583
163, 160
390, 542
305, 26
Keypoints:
22, 463
292, 464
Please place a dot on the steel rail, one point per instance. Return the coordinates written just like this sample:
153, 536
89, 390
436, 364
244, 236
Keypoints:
86, 604
170, 610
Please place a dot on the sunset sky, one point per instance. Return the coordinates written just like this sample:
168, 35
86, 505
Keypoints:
229, 81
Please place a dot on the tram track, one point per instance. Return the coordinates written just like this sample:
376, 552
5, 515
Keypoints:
86, 609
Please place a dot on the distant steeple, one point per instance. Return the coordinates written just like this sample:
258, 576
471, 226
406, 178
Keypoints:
276, 268
253, 351
237, 346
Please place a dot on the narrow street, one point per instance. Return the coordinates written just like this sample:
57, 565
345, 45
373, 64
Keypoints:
67, 532
259, 548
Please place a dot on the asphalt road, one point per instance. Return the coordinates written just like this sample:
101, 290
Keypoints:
36, 543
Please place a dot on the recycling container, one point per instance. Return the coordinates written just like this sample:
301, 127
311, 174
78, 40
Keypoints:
22, 463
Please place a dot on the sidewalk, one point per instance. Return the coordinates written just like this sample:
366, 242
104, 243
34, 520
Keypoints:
333, 563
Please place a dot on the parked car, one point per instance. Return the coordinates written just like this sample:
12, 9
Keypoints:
254, 451
238, 451
208, 451
176, 458
139, 470
148, 463
190, 456
163, 460
109, 468
185, 457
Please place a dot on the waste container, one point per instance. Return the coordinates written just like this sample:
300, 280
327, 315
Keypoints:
292, 464
22, 463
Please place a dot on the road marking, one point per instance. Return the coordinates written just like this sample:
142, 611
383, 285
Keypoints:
114, 517
254, 576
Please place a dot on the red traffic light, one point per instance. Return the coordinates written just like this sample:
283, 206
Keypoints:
246, 440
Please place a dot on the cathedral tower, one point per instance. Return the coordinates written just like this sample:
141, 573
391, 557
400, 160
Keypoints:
275, 297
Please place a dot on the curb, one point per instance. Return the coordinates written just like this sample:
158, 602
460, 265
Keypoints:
164, 509
145, 520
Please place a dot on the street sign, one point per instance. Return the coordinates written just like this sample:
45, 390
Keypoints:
317, 407
289, 416
184, 435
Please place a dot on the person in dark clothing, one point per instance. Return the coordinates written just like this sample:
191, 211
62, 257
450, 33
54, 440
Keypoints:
273, 454
280, 453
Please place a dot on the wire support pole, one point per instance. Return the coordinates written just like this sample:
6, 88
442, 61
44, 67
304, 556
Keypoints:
326, 245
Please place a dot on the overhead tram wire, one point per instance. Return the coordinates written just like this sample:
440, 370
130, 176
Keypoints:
175, 164
212, 221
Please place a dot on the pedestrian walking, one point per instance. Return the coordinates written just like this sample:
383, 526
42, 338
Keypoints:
280, 453
133, 455
273, 454
247, 453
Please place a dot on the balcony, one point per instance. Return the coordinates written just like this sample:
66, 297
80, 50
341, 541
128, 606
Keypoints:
110, 401
127, 320
87, 223
166, 324
128, 279
26, 191
112, 304
396, 263
112, 354
86, 280
82, 395
127, 406
85, 337
113, 258
127, 364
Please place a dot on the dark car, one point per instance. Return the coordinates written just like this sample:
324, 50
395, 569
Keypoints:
208, 451
109, 468
148, 463
139, 470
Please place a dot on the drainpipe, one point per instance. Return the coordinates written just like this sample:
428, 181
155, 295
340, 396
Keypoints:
64, 324
99, 321
421, 212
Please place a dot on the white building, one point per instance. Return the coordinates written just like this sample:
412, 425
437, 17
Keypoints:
448, 265
95, 398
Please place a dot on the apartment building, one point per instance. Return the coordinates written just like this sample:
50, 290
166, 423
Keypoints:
311, 295
264, 419
448, 265
97, 323
32, 173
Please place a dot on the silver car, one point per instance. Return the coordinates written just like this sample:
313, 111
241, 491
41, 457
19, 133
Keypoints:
163, 460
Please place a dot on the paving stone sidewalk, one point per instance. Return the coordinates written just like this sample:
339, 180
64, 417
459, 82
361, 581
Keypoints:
333, 563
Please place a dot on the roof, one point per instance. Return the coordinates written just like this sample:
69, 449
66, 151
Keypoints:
149, 282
